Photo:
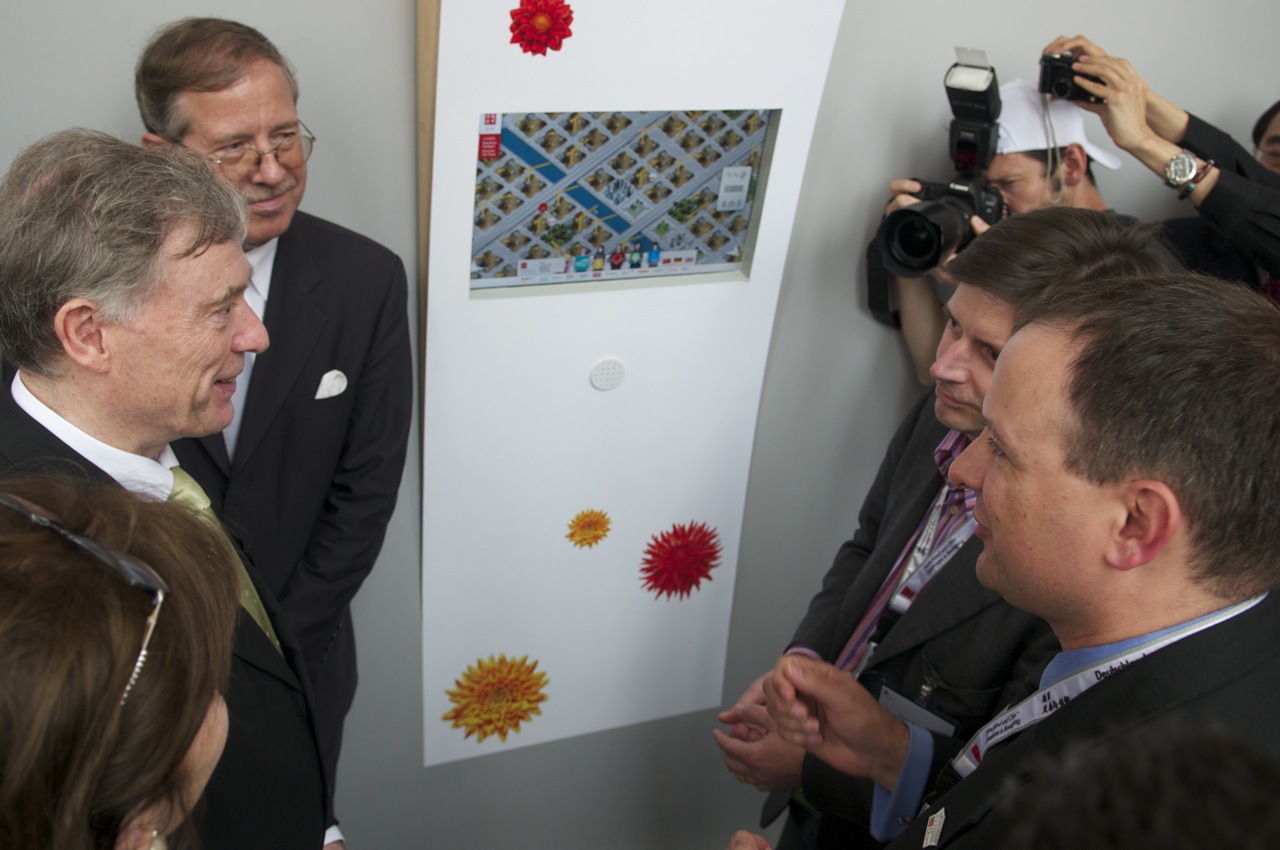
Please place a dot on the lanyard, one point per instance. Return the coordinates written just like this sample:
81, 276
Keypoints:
921, 575
1046, 701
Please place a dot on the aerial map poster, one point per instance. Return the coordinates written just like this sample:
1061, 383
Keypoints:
609, 215
564, 197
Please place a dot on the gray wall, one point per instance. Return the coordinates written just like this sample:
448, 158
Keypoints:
835, 386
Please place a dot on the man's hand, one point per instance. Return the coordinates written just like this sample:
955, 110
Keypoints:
335, 845
817, 705
752, 750
904, 194
1132, 113
746, 841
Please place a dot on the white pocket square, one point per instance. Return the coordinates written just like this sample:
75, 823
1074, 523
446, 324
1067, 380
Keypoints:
332, 384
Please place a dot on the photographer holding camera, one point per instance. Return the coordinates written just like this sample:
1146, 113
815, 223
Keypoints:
1040, 161
1234, 193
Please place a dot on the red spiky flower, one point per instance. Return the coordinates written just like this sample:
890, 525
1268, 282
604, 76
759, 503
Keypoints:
676, 561
537, 25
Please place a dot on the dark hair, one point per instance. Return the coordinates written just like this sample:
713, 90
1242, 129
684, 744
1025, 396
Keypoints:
1023, 255
76, 762
196, 54
1158, 786
1042, 157
1177, 378
83, 214
1264, 121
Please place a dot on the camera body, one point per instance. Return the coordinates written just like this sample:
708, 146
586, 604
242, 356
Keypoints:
1057, 78
915, 239
969, 191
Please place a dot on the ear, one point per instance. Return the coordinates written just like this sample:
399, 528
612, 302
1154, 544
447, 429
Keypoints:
79, 326
151, 140
1152, 517
138, 832
1075, 164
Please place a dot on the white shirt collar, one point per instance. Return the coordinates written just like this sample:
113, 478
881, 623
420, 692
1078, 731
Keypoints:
263, 260
136, 473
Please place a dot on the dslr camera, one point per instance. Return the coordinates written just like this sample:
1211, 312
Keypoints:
1057, 78
915, 239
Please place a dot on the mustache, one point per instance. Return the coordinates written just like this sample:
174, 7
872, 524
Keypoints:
253, 194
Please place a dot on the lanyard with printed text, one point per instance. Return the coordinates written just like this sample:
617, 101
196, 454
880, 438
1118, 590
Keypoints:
923, 574
1046, 701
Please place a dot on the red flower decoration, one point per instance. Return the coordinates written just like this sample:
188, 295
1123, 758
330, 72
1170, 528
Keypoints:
540, 24
676, 561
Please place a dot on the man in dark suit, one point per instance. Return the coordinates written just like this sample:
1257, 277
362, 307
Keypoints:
1128, 485
307, 474
122, 307
948, 656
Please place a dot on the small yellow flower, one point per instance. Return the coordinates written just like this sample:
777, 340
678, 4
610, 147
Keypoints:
588, 528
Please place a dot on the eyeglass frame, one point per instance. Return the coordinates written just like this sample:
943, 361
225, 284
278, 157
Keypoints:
305, 134
135, 572
1263, 153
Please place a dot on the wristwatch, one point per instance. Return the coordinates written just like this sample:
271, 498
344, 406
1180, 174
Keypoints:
1181, 170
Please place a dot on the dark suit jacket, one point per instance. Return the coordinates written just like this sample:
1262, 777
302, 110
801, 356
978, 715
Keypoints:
1226, 677
959, 650
1203, 249
314, 481
1244, 206
268, 792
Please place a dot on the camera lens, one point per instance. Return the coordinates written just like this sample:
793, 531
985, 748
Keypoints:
915, 239
1062, 86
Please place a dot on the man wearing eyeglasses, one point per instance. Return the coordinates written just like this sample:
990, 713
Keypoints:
122, 306
308, 471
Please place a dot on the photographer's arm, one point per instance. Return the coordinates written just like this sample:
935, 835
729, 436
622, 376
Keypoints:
919, 310
1238, 197
1140, 122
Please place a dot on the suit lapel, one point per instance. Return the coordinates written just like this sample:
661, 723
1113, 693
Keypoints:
276, 370
953, 596
254, 647
215, 445
903, 514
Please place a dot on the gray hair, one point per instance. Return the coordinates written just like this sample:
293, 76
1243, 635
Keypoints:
83, 214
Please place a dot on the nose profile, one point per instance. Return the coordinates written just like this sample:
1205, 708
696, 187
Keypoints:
969, 469
251, 335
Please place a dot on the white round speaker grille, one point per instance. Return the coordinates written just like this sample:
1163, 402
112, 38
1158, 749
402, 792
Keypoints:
607, 374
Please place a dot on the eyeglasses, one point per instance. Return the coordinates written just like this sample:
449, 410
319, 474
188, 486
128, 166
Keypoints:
1268, 155
291, 148
135, 572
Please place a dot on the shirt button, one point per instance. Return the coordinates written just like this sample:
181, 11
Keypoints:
953, 510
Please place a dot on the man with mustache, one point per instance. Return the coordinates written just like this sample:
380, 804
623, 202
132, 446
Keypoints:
307, 473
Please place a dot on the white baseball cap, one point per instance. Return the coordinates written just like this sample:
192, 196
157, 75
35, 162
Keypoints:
1022, 124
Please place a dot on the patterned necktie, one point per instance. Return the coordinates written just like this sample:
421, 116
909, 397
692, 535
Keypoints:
188, 493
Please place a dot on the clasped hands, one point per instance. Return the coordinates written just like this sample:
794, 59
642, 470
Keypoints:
807, 705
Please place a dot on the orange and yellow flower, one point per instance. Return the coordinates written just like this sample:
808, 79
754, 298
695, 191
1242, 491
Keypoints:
588, 528
495, 697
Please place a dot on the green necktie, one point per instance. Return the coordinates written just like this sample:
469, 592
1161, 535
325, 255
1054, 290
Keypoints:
188, 493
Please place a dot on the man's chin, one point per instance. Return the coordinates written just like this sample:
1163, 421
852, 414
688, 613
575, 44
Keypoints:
958, 418
265, 228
